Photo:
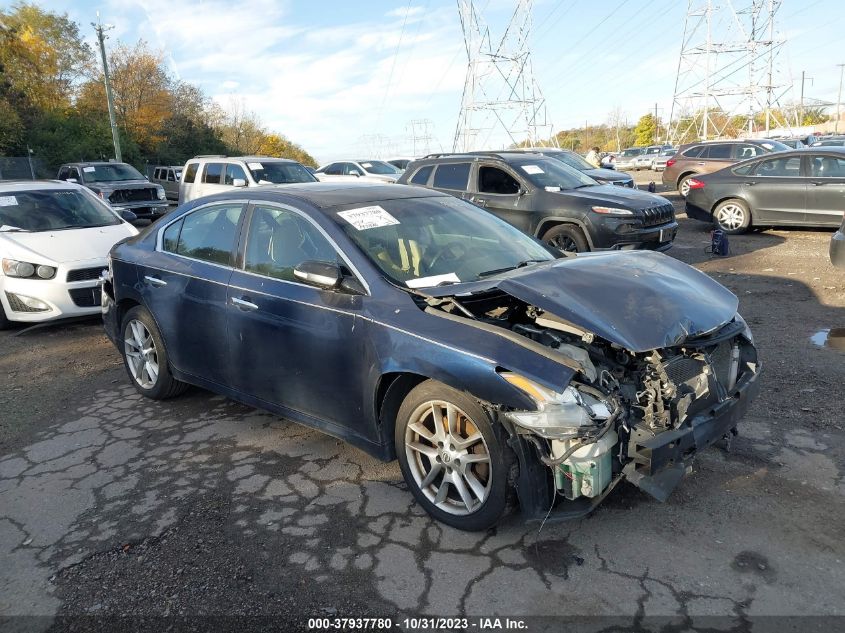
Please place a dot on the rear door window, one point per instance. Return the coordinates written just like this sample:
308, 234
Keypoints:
452, 176
209, 234
190, 172
422, 174
717, 151
693, 152
785, 167
213, 174
335, 169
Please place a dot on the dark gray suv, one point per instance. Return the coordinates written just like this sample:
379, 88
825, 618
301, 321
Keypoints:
550, 200
119, 184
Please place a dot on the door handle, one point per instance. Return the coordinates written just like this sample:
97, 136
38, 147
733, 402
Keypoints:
481, 202
154, 281
701, 163
817, 183
750, 184
243, 304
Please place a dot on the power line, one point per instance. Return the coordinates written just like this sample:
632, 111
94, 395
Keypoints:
393, 64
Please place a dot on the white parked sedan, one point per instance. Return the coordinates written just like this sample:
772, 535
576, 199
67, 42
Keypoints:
367, 170
54, 239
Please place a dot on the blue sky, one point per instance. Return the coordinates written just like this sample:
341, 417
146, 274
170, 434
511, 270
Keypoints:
345, 78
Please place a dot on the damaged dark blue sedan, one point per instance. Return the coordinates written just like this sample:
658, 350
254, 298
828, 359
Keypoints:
421, 328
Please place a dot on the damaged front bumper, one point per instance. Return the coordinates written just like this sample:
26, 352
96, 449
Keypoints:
655, 463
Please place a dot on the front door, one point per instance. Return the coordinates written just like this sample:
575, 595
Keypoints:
826, 190
184, 282
501, 193
777, 191
292, 344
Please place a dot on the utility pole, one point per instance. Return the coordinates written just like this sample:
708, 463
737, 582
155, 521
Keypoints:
100, 29
839, 99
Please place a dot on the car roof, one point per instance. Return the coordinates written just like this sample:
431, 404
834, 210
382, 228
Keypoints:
95, 163
251, 159
10, 186
325, 195
506, 156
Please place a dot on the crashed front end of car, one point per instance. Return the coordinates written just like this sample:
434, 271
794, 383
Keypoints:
660, 365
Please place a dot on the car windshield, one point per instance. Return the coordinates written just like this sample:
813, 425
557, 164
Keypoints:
52, 210
425, 242
277, 173
110, 172
379, 167
553, 175
573, 160
634, 151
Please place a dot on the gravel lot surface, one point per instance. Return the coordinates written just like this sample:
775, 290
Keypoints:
111, 505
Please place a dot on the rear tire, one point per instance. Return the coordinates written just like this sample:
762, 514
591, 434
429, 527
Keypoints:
683, 185
452, 458
732, 216
568, 238
145, 357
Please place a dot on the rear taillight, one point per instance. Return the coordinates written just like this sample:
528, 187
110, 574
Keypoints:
670, 162
695, 184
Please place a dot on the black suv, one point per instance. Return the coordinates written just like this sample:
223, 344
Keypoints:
121, 185
550, 200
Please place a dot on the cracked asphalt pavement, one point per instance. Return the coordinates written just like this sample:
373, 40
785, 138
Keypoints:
114, 505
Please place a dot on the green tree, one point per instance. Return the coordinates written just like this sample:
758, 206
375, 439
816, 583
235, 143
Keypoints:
645, 130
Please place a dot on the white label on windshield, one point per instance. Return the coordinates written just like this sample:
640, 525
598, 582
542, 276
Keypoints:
368, 218
552, 189
434, 280
532, 169
88, 170
366, 165
255, 165
8, 201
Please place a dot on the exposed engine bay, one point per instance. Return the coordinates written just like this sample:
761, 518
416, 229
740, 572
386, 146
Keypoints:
625, 414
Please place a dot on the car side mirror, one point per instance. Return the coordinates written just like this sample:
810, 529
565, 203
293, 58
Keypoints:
129, 216
321, 274
357, 174
239, 182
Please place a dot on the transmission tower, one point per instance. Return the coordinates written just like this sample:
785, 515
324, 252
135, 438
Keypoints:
421, 136
726, 70
501, 103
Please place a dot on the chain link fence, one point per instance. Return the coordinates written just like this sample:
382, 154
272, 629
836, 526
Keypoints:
23, 168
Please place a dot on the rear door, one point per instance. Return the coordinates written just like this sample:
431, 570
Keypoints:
777, 191
184, 283
825, 189
498, 190
452, 178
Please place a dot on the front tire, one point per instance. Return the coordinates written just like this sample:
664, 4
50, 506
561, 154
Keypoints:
145, 357
452, 458
567, 238
732, 216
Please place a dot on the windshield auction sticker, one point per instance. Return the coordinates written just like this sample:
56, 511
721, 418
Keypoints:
8, 201
255, 166
365, 218
532, 169
88, 170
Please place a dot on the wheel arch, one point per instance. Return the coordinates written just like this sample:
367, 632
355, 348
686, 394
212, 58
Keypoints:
552, 222
689, 172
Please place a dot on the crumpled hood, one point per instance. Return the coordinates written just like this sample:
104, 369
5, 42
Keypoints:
59, 247
616, 195
639, 300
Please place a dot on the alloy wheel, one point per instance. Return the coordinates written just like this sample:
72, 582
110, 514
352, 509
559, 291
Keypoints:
448, 457
140, 350
564, 243
731, 216
684, 189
